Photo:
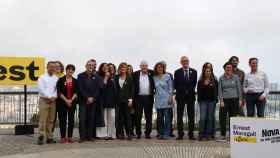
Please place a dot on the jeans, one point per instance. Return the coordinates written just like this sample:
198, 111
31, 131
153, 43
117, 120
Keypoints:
164, 116
207, 115
252, 101
171, 123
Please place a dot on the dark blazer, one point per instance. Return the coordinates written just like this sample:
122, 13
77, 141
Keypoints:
136, 78
126, 92
185, 87
108, 94
89, 86
62, 89
207, 92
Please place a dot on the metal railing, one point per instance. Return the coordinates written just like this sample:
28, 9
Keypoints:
12, 108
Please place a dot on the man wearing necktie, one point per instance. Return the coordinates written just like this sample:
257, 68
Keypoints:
186, 74
185, 80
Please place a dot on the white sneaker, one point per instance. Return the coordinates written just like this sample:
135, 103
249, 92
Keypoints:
222, 139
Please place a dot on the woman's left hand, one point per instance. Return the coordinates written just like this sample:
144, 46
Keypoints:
129, 103
261, 98
240, 103
170, 100
69, 103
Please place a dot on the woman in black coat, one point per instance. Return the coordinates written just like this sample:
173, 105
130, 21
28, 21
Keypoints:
132, 109
67, 90
108, 103
125, 92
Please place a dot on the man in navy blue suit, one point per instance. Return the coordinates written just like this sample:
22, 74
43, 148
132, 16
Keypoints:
185, 80
89, 91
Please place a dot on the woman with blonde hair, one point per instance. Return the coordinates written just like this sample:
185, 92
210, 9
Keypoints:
125, 93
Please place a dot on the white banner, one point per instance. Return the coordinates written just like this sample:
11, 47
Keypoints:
255, 138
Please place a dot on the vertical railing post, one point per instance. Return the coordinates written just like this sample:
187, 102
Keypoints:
25, 105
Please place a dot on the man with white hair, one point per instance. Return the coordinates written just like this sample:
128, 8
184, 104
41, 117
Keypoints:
185, 80
144, 98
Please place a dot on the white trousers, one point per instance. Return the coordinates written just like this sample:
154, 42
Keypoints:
109, 130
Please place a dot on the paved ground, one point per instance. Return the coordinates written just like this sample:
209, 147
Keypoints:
25, 146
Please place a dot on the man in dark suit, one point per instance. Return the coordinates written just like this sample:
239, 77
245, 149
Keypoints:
144, 98
89, 91
185, 80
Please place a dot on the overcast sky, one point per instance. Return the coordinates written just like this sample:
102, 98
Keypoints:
154, 30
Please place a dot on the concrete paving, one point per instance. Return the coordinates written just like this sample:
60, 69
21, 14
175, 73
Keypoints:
25, 147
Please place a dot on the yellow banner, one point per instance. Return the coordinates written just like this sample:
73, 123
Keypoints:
21, 70
245, 139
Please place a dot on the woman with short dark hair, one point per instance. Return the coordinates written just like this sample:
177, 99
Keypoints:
230, 96
67, 90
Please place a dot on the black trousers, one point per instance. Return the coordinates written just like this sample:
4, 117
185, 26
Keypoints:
133, 121
230, 109
65, 113
87, 114
123, 120
120, 131
144, 103
181, 103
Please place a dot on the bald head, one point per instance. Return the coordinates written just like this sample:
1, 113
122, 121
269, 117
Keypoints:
185, 62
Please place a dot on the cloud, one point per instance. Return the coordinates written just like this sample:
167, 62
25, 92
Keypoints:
132, 30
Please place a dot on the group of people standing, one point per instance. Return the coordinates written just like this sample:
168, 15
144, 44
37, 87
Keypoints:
112, 100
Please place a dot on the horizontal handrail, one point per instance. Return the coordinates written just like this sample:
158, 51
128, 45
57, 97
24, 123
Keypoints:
12, 107
36, 92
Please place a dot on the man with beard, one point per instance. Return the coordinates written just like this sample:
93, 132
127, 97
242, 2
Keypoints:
234, 60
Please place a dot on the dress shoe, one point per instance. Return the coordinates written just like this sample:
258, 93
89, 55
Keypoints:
40, 140
63, 141
70, 140
179, 138
121, 137
51, 141
82, 140
129, 138
172, 135
192, 138
148, 137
